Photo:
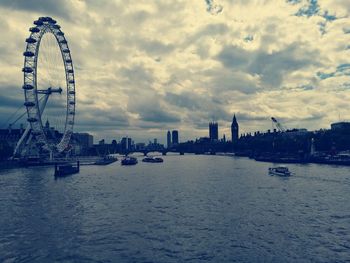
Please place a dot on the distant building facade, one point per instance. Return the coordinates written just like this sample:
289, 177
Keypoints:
340, 126
213, 131
11, 136
140, 146
82, 143
168, 139
130, 144
175, 137
127, 144
234, 129
8, 140
85, 140
124, 144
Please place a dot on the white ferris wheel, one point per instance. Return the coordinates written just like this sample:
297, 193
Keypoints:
49, 89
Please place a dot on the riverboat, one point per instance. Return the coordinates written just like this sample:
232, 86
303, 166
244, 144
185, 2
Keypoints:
280, 171
129, 161
152, 160
106, 160
64, 170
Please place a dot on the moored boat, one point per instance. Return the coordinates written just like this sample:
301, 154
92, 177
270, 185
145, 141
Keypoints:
152, 160
66, 169
280, 171
129, 161
106, 160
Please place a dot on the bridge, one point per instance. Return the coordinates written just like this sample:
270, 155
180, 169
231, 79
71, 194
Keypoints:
145, 152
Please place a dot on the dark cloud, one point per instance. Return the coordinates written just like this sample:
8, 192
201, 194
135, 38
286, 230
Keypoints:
146, 102
97, 119
10, 102
183, 101
249, 38
341, 70
271, 67
46, 7
346, 30
226, 81
155, 47
211, 30
151, 111
158, 115
235, 57
248, 117
199, 108
11, 106
136, 75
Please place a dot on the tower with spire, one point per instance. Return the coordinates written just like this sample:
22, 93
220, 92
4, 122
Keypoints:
234, 129
47, 124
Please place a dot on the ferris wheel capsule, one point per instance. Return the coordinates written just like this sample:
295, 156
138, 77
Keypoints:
38, 23
28, 54
31, 40
27, 70
28, 87
34, 30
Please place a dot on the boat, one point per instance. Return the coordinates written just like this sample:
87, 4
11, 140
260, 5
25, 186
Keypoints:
106, 160
280, 171
152, 160
64, 170
158, 160
129, 161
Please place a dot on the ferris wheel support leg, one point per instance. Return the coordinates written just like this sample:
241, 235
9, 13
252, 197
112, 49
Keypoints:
27, 130
21, 140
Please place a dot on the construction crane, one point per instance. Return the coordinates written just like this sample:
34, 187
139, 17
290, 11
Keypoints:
278, 125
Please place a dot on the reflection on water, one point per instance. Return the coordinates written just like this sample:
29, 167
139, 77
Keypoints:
189, 208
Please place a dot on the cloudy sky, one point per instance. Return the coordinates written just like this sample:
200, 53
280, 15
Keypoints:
143, 67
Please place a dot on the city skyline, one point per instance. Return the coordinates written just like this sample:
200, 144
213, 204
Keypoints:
255, 59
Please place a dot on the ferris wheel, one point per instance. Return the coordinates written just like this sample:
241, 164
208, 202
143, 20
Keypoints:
49, 87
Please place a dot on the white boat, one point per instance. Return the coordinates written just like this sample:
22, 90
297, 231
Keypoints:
280, 171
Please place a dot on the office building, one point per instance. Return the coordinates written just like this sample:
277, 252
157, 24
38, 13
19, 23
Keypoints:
175, 137
168, 139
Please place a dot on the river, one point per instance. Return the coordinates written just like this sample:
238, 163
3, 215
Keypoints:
190, 208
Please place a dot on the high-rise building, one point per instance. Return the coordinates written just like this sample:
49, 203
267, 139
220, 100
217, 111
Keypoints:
234, 129
168, 139
130, 145
84, 139
124, 144
213, 131
175, 137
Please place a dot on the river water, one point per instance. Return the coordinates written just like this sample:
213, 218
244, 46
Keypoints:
188, 209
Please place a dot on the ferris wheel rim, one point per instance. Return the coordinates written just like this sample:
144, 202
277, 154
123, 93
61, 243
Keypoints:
47, 25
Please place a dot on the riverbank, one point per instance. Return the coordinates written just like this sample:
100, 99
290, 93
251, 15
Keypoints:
83, 160
342, 160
